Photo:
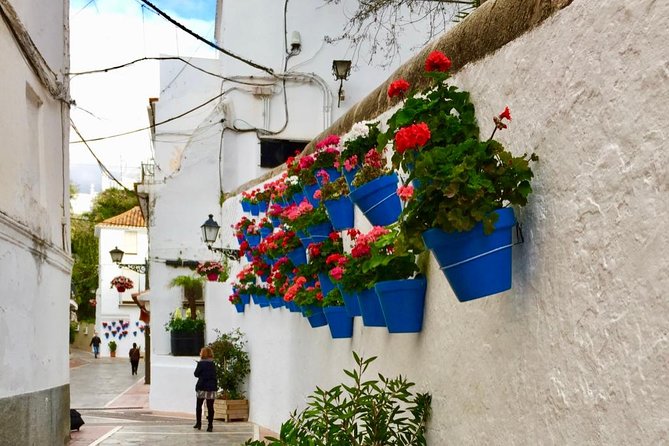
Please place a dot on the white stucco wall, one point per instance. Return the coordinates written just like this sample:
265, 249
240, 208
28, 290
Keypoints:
35, 263
576, 353
110, 306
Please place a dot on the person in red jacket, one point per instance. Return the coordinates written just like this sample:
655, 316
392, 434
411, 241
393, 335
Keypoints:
206, 387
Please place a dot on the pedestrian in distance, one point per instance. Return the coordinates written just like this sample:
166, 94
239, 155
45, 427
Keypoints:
134, 358
206, 387
95, 342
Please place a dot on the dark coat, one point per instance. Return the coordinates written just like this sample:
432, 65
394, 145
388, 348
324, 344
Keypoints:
206, 376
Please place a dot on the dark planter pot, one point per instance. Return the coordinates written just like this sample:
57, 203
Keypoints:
309, 193
339, 321
319, 233
340, 213
370, 307
476, 265
332, 173
351, 302
402, 302
378, 200
186, 344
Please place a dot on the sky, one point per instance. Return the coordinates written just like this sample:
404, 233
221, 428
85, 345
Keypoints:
105, 33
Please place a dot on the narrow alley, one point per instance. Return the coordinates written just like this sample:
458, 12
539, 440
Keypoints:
114, 406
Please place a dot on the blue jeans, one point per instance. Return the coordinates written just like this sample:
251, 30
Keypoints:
96, 350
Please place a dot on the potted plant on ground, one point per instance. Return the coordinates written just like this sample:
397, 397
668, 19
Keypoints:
122, 283
187, 334
112, 348
460, 208
232, 367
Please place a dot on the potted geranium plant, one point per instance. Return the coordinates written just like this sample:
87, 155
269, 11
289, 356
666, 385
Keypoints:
327, 158
211, 270
465, 185
318, 254
334, 195
357, 142
232, 367
122, 283
266, 227
309, 297
339, 320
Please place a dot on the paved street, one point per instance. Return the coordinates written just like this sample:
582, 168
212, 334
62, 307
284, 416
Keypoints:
114, 406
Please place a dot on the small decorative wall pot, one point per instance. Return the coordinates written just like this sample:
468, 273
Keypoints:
255, 210
304, 238
476, 265
275, 222
263, 205
339, 321
292, 306
264, 232
246, 298
340, 213
297, 256
239, 307
253, 239
309, 191
333, 174
212, 277
351, 302
120, 289
320, 233
246, 206
276, 302
403, 302
350, 175
326, 283
378, 200
248, 256
298, 197
370, 307
261, 300
315, 315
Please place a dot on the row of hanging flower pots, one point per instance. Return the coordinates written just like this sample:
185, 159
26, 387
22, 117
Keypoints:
457, 191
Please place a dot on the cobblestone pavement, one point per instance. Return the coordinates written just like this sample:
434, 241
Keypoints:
114, 405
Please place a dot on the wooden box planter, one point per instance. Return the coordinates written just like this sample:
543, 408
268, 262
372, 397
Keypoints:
229, 410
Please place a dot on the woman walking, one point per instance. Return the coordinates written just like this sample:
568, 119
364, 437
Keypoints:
206, 387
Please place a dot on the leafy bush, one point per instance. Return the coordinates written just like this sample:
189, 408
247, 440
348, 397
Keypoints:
232, 363
365, 413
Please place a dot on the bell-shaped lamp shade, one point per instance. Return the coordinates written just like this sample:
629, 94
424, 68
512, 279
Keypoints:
341, 69
210, 230
116, 255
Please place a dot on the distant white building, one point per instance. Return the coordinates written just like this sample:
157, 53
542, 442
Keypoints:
35, 260
117, 316
253, 120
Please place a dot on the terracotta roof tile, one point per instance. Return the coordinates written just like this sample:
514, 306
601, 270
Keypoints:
132, 218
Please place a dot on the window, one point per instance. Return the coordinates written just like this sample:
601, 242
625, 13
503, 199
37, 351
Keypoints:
129, 242
274, 152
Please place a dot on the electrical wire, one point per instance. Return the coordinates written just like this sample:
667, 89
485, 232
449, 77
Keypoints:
154, 125
102, 166
211, 44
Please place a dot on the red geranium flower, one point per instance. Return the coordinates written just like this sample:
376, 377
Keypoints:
437, 61
506, 114
398, 88
412, 137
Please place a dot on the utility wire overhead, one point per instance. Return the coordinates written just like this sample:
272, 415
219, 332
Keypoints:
211, 44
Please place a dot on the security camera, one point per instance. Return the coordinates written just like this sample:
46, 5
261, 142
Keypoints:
295, 43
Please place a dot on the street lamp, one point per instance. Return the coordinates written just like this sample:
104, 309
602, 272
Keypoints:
341, 70
117, 255
210, 231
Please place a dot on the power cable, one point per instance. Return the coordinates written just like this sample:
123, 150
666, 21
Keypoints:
211, 44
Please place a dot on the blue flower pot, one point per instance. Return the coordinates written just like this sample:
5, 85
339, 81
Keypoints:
402, 302
248, 256
326, 283
264, 232
254, 240
476, 265
309, 191
332, 173
378, 200
304, 238
275, 221
314, 315
319, 233
255, 210
298, 197
293, 307
276, 302
246, 298
260, 300
239, 308
297, 256
351, 302
350, 176
263, 205
340, 212
246, 206
339, 321
370, 307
